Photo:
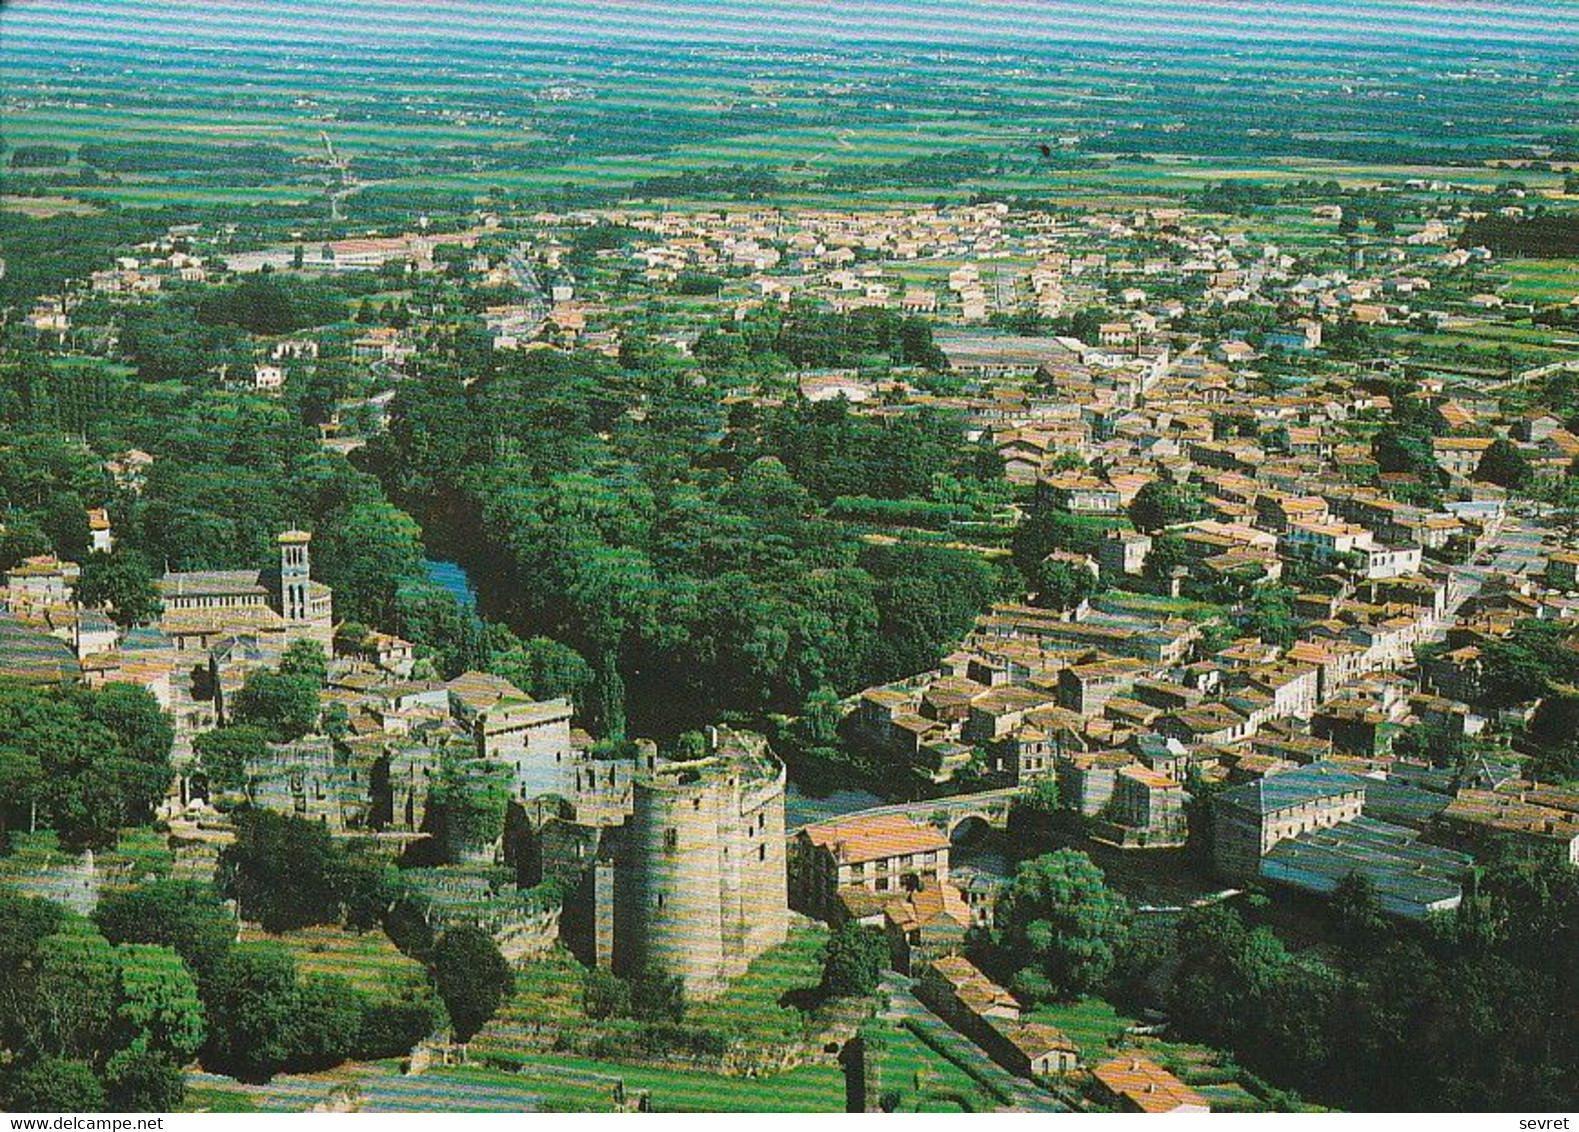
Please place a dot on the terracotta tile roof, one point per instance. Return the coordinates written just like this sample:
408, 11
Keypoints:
876, 838
926, 905
1153, 779
29, 655
971, 987
1036, 1039
1147, 1085
481, 690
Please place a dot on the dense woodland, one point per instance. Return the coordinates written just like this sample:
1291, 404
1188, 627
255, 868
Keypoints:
104, 1013
597, 504
595, 501
1548, 235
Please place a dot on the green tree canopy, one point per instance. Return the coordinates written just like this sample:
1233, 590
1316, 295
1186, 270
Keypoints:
472, 977
853, 961
253, 1012
143, 1080
1525, 664
90, 761
1504, 465
544, 669
305, 660
657, 996
56, 1084
1354, 907
1162, 503
186, 916
76, 990
330, 1012
224, 753
1062, 585
1060, 925
281, 705
124, 583
160, 1010
269, 846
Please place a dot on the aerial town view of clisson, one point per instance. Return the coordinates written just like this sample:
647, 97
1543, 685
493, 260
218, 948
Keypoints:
715, 556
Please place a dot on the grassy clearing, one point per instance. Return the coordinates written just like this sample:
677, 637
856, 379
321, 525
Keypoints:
366, 960
547, 1008
72, 361
1093, 1024
547, 998
924, 1079
569, 1083
37, 866
40, 208
1167, 606
549, 1083
157, 196
215, 1098
754, 1012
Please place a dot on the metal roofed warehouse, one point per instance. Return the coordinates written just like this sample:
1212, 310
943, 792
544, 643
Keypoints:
1410, 879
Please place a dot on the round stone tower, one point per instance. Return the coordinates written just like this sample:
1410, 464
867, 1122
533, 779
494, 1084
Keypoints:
699, 886
669, 904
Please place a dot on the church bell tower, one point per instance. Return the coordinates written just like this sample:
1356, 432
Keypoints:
295, 575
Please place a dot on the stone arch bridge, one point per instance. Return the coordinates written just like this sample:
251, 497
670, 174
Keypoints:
946, 814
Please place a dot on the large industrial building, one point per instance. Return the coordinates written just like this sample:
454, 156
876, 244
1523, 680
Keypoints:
1306, 828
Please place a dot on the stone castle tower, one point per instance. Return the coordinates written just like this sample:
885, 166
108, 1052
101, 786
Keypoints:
700, 889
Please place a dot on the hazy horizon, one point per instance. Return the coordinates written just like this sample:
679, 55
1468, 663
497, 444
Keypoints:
98, 25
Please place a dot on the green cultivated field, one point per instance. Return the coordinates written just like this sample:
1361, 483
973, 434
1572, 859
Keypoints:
1541, 280
752, 1009
751, 1013
536, 121
573, 1084
543, 1083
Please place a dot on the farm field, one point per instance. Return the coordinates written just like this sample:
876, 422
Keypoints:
920, 1078
547, 1082
512, 1065
373, 1087
1541, 280
46, 206
571, 117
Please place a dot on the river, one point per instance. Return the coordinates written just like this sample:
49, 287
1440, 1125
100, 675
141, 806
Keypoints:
801, 808
452, 577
